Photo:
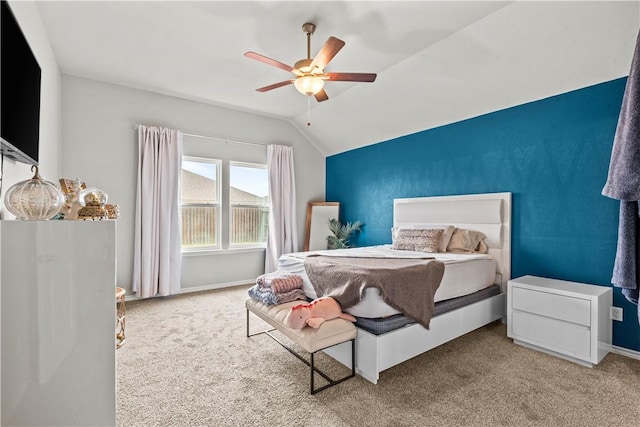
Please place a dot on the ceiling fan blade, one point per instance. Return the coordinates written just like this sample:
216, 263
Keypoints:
321, 96
351, 77
274, 86
268, 61
330, 48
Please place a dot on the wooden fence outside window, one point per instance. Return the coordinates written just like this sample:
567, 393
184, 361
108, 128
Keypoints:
249, 225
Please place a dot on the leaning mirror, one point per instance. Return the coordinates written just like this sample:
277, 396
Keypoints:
317, 230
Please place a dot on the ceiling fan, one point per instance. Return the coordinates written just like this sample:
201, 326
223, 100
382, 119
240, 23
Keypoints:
309, 72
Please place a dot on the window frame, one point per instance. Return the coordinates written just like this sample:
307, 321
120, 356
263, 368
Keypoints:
217, 205
231, 205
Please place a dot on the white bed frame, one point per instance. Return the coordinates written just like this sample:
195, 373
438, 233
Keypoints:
489, 213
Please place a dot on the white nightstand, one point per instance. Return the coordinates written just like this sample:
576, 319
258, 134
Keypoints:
565, 319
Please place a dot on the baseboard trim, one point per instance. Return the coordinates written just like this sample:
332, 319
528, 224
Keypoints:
625, 352
201, 288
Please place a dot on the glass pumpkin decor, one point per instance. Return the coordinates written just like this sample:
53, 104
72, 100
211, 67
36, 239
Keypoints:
34, 199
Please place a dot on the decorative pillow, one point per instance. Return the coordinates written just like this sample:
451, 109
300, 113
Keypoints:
482, 247
464, 240
415, 239
447, 232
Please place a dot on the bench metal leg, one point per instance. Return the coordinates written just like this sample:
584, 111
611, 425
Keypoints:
331, 382
258, 333
313, 369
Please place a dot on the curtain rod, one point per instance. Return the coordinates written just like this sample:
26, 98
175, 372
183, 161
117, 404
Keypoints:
195, 135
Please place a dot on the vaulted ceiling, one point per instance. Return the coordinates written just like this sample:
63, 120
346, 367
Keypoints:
437, 61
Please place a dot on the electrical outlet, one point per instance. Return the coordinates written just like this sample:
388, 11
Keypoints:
616, 313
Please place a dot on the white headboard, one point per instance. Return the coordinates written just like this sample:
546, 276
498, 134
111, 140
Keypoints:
489, 213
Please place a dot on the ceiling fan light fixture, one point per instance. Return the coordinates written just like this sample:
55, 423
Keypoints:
309, 75
309, 85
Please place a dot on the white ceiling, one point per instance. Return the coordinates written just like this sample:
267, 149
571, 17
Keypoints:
437, 61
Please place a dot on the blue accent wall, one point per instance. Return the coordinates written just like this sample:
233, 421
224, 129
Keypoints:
552, 154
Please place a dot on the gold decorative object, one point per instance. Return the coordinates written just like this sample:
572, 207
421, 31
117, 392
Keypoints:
113, 211
71, 185
120, 317
94, 200
71, 189
34, 199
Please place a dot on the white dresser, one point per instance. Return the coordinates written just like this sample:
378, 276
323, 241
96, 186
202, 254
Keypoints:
58, 323
567, 319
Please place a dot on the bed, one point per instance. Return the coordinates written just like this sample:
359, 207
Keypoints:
464, 275
478, 269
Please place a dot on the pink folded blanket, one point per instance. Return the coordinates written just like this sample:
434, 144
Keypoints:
280, 282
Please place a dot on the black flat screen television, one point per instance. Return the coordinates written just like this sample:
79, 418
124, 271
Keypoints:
19, 92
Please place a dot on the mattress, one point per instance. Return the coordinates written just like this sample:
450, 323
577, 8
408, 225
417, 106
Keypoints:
382, 325
463, 274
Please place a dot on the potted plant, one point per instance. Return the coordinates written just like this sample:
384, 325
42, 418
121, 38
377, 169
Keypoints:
341, 233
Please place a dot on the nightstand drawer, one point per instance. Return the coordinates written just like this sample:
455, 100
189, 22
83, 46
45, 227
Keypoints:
556, 335
569, 309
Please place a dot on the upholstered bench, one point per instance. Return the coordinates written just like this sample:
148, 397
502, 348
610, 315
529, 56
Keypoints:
330, 333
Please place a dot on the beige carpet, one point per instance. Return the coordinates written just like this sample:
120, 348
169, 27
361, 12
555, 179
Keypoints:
187, 362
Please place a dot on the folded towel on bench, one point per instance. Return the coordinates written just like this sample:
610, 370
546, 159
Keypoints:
280, 282
266, 296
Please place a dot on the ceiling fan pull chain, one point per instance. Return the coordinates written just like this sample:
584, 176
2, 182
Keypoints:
308, 110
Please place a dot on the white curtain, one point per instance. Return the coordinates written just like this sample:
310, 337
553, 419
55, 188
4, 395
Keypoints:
283, 229
157, 259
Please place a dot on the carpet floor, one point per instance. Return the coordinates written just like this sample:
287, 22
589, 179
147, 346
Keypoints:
187, 362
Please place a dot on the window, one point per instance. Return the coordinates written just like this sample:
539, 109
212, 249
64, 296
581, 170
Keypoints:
224, 204
249, 204
200, 201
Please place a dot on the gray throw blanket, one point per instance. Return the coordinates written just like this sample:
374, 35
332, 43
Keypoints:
623, 183
408, 285
626, 273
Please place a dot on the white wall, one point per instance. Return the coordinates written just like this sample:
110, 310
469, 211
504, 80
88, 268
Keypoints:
49, 154
100, 147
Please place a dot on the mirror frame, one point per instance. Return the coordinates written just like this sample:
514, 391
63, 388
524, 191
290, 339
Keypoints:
314, 215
